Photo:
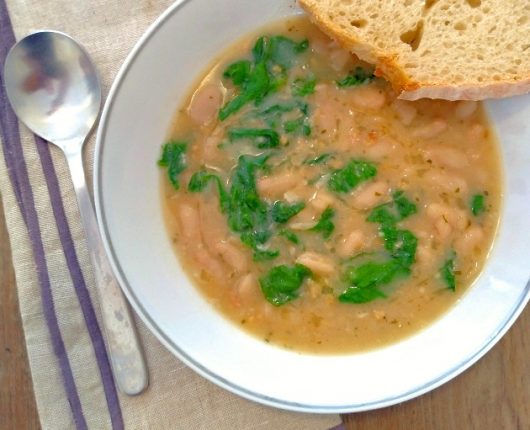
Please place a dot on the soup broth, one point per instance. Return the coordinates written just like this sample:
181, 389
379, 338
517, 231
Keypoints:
316, 210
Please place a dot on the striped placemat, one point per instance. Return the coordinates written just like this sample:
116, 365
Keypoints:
70, 368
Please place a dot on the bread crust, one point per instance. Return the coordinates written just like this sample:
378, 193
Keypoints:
470, 92
388, 67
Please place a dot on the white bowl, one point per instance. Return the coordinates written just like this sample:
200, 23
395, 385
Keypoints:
137, 116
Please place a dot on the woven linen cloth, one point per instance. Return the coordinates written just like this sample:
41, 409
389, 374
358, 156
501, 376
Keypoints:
69, 365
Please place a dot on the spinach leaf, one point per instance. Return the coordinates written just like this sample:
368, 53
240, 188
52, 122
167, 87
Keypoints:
290, 236
259, 79
401, 243
278, 50
263, 137
320, 159
247, 211
273, 116
303, 86
279, 108
282, 212
299, 125
238, 72
281, 284
325, 224
255, 88
358, 295
478, 204
447, 272
247, 214
372, 273
355, 172
358, 77
256, 240
398, 209
173, 157
366, 279
260, 51
260, 255
200, 180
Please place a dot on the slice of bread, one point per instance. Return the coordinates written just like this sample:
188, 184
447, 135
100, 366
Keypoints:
447, 49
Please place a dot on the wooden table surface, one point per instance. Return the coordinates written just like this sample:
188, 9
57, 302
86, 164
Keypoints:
493, 395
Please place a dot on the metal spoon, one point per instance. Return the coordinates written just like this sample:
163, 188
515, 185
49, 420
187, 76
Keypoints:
54, 89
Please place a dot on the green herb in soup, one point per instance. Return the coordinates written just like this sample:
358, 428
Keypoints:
366, 279
282, 212
358, 77
317, 207
290, 236
320, 159
173, 159
353, 174
272, 56
325, 223
262, 137
447, 272
478, 204
303, 86
281, 284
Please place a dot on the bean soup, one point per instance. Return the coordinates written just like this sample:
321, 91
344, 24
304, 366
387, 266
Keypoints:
315, 209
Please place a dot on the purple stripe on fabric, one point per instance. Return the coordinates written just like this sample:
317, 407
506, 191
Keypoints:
81, 290
339, 427
15, 162
7, 117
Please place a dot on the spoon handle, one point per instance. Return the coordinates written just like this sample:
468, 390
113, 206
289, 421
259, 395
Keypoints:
124, 348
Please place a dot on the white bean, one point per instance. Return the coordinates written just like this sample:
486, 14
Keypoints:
321, 45
370, 195
189, 222
205, 103
278, 184
425, 255
212, 266
351, 244
212, 153
212, 224
324, 117
245, 289
430, 130
465, 109
382, 148
304, 220
321, 200
443, 228
368, 97
450, 183
292, 197
232, 255
339, 58
456, 218
318, 263
469, 240
448, 156
406, 111
436, 210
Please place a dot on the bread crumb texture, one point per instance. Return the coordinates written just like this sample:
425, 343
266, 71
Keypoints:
451, 49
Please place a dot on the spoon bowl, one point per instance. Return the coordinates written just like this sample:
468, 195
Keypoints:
54, 89
53, 86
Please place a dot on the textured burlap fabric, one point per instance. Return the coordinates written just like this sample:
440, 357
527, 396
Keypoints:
53, 270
